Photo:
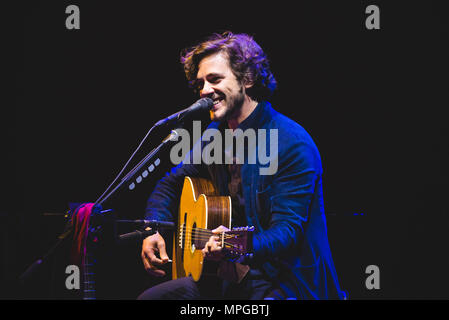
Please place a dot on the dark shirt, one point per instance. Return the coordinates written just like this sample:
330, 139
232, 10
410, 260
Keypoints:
236, 194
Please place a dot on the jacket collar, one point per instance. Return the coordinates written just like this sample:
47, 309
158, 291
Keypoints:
256, 119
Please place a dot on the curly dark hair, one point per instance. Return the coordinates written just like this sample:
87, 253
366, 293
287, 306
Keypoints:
246, 58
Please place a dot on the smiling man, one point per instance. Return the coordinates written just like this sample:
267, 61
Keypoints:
217, 81
291, 254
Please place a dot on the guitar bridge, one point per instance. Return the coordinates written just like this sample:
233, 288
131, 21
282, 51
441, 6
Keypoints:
181, 234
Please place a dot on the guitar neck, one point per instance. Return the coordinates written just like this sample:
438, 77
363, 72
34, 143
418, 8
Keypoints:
232, 239
89, 292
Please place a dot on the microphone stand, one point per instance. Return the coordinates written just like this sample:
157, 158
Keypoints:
106, 222
36, 265
32, 269
127, 179
25, 276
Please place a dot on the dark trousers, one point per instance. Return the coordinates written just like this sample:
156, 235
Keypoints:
210, 288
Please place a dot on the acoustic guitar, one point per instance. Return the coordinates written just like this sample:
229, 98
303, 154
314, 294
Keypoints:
201, 210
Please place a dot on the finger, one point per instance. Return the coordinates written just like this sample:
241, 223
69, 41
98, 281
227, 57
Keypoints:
151, 256
146, 264
216, 242
213, 246
212, 251
155, 271
207, 248
216, 246
213, 238
151, 269
220, 229
163, 252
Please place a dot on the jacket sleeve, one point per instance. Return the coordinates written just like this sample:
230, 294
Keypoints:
292, 191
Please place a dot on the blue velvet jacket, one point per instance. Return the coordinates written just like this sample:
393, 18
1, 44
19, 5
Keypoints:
286, 208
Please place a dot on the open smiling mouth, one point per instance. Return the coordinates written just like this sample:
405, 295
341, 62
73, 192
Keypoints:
217, 103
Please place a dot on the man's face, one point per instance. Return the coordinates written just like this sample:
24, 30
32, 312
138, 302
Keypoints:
216, 80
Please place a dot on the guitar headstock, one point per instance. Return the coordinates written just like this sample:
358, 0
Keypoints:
239, 241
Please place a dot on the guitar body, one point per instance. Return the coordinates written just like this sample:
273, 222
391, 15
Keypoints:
200, 208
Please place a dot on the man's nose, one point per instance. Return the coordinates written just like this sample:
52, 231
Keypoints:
207, 90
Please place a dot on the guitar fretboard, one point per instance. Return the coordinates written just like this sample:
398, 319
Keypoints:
89, 277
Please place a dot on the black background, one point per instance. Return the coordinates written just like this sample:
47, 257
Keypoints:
374, 102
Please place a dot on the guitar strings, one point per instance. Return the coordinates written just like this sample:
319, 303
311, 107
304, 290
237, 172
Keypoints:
204, 232
226, 243
191, 235
199, 236
226, 236
188, 234
188, 238
198, 230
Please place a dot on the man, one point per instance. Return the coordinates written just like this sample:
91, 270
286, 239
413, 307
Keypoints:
292, 258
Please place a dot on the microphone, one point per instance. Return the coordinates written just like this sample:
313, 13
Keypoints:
155, 224
196, 109
135, 235
140, 235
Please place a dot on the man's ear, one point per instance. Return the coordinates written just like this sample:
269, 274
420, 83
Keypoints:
248, 84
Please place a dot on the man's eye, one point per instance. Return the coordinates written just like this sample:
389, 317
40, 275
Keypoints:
198, 85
